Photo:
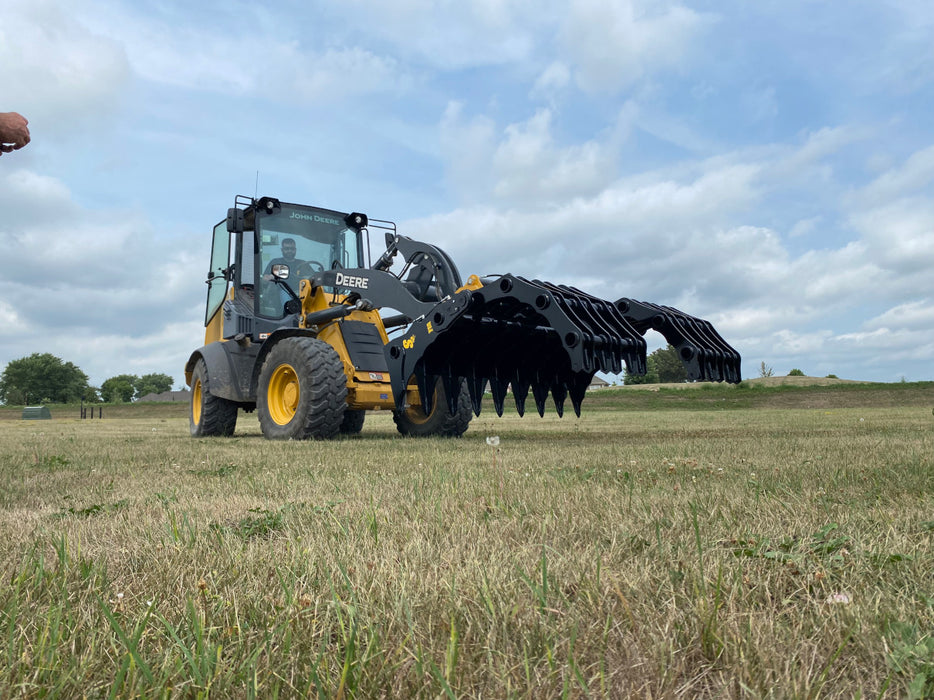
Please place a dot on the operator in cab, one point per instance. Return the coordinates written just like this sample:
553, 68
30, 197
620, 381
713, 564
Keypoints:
288, 258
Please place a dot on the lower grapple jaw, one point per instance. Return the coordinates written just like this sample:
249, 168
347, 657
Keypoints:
537, 338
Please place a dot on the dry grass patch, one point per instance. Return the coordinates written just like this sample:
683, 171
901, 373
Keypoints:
658, 554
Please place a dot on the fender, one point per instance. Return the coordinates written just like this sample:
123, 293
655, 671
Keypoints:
230, 368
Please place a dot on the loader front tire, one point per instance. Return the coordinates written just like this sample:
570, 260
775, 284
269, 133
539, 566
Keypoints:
302, 390
209, 415
412, 421
353, 421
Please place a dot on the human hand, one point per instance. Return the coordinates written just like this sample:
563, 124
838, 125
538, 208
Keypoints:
14, 132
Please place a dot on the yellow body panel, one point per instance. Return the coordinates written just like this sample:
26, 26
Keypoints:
365, 390
214, 331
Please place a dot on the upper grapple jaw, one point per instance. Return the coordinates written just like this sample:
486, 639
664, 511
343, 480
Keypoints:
706, 356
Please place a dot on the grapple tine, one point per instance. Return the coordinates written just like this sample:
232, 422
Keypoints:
452, 390
540, 393
577, 389
520, 390
498, 388
559, 392
475, 387
426, 387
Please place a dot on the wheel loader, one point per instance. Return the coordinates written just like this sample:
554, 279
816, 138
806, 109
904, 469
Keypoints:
299, 328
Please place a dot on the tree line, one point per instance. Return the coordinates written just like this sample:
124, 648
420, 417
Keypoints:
44, 378
663, 366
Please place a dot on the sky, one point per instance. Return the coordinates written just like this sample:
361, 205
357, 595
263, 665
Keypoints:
768, 166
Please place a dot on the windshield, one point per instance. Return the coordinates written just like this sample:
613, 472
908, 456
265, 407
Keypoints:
306, 239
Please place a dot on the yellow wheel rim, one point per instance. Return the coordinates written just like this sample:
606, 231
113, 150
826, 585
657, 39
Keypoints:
283, 394
196, 402
415, 412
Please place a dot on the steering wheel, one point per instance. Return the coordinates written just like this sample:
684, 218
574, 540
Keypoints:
308, 268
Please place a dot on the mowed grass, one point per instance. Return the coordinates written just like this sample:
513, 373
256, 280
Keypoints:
663, 553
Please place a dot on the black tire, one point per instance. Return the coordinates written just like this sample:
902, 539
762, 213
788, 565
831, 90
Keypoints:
353, 422
412, 421
209, 415
302, 390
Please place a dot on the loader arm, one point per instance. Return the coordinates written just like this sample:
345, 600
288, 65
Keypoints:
381, 289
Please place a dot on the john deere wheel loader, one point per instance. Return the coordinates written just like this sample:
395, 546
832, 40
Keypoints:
298, 328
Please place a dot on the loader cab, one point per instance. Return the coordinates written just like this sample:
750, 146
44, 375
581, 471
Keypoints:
265, 239
292, 242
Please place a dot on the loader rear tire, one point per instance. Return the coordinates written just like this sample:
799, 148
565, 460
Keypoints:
209, 415
302, 391
353, 421
413, 421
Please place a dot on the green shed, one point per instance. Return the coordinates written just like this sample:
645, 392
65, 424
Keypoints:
36, 413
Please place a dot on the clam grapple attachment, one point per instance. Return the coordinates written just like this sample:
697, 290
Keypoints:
535, 337
298, 328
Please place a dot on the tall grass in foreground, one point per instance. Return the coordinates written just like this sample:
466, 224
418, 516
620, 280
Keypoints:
663, 554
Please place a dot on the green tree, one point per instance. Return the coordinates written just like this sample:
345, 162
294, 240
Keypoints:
670, 368
119, 389
42, 378
152, 384
650, 376
796, 373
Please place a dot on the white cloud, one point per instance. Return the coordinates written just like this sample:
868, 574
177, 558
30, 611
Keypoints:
554, 79
912, 315
257, 56
57, 71
450, 35
614, 43
468, 147
28, 198
528, 165
805, 227
900, 233
916, 175
896, 344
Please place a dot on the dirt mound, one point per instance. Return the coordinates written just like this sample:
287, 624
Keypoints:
758, 381
800, 381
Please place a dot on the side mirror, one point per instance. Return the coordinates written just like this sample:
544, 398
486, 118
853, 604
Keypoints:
280, 271
235, 220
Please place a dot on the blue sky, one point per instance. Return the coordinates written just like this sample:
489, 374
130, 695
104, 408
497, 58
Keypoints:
768, 166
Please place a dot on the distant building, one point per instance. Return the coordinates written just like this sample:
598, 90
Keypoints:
597, 383
183, 395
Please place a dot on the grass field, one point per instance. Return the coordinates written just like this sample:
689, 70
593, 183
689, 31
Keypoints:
751, 542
